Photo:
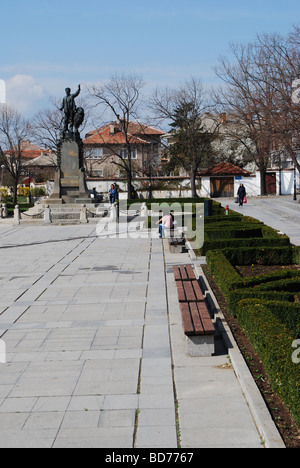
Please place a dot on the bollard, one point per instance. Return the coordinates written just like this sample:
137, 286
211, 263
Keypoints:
144, 215
227, 210
144, 211
2, 352
47, 215
83, 215
4, 212
113, 212
17, 215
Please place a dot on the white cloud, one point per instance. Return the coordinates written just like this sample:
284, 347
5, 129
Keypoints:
25, 93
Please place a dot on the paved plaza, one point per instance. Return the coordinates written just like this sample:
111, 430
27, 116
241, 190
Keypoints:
281, 213
96, 351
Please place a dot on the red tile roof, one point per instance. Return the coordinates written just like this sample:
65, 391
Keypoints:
30, 150
136, 133
225, 168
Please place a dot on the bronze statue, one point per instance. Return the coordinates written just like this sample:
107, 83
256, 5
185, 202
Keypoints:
70, 109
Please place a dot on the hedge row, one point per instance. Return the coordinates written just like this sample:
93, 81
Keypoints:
222, 270
265, 304
261, 256
234, 297
273, 342
290, 284
287, 312
221, 244
236, 232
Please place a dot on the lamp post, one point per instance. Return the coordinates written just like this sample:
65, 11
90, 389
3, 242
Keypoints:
2, 170
29, 188
295, 184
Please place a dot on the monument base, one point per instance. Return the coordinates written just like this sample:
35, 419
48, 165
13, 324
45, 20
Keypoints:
69, 183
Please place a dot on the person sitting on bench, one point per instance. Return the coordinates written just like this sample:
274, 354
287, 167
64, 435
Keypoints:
166, 222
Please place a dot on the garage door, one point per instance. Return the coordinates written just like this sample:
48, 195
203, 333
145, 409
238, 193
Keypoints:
271, 183
221, 187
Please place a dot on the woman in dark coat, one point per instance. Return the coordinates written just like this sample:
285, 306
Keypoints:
241, 194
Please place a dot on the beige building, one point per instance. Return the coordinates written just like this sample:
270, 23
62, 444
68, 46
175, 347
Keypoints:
106, 150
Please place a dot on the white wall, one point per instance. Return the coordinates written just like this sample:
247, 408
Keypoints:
252, 185
287, 182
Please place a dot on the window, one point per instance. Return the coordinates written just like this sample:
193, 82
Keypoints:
97, 153
98, 173
124, 154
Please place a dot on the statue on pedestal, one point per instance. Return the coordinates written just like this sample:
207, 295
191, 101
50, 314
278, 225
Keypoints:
69, 184
74, 116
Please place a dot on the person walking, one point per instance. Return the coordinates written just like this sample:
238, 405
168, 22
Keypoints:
241, 194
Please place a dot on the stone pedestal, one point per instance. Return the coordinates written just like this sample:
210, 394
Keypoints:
69, 182
200, 346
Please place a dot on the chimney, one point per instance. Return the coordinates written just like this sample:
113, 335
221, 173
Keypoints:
112, 129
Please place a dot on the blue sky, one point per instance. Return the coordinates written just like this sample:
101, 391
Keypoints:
47, 45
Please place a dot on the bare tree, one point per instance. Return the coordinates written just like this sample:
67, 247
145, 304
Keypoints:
121, 97
14, 132
185, 109
47, 126
258, 93
250, 99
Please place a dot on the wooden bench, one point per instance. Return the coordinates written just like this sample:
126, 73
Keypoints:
196, 321
189, 291
184, 273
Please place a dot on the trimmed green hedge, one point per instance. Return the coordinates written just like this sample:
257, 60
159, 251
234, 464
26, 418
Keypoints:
261, 256
290, 285
296, 255
221, 244
274, 344
224, 273
267, 278
229, 232
286, 312
234, 297
229, 279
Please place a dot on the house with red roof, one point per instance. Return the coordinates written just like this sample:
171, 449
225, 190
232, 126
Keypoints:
106, 150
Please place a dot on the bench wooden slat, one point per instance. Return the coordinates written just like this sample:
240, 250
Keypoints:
183, 273
180, 291
198, 326
206, 319
186, 319
190, 272
189, 291
177, 274
197, 290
